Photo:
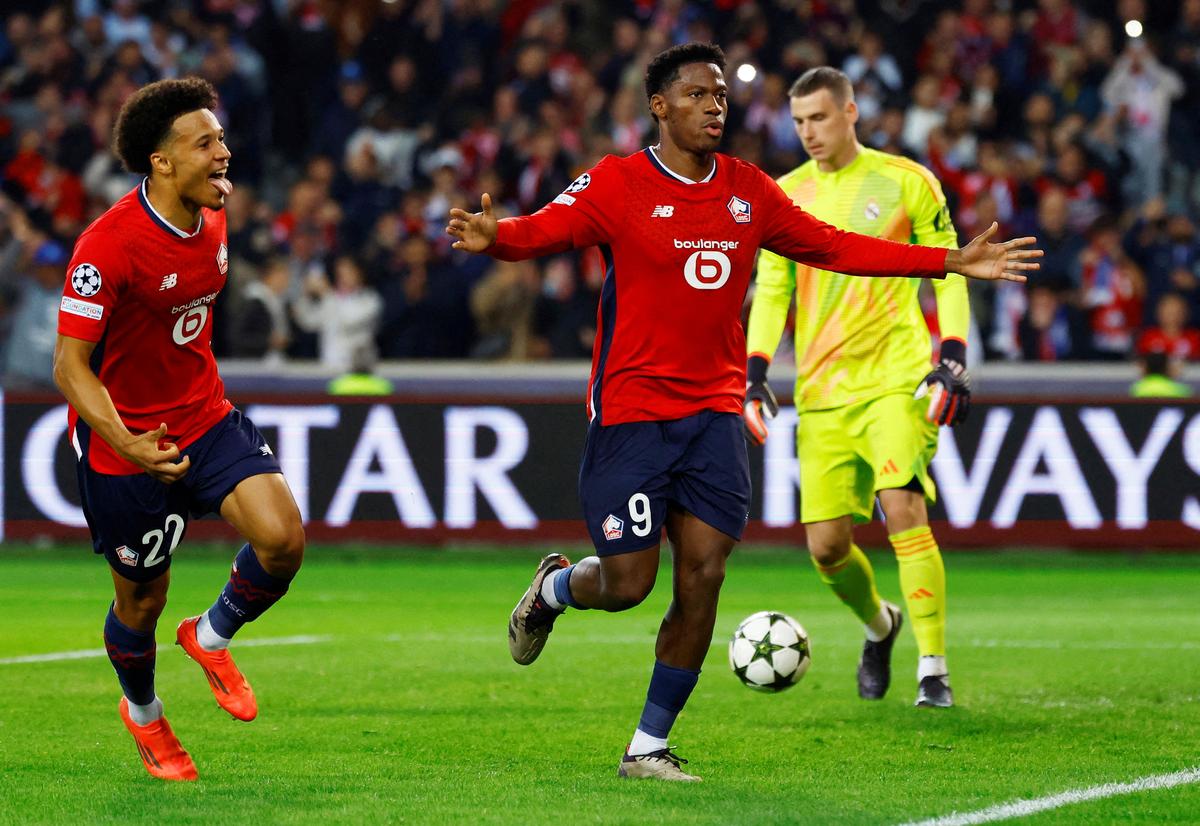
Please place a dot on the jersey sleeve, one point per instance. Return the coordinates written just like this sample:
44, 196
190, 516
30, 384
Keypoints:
96, 277
588, 212
793, 233
774, 284
932, 226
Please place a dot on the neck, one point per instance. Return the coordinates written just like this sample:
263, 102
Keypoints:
169, 205
841, 159
693, 165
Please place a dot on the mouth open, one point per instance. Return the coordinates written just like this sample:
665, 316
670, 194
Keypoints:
715, 129
221, 183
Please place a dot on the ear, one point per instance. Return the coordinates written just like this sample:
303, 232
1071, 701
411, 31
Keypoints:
658, 105
161, 164
852, 111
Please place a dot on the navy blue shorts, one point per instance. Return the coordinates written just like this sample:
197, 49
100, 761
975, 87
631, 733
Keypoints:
137, 521
631, 471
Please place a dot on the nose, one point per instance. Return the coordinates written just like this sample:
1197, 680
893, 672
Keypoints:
715, 106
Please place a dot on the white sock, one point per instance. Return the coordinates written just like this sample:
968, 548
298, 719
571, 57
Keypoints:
209, 639
931, 667
880, 625
147, 714
644, 743
548, 589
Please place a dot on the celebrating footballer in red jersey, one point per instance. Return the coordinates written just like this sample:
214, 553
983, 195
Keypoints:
679, 226
155, 437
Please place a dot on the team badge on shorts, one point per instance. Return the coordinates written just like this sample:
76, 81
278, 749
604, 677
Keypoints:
127, 556
85, 280
739, 209
223, 260
613, 527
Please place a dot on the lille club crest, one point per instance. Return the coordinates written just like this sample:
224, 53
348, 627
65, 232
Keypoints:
613, 528
739, 209
223, 260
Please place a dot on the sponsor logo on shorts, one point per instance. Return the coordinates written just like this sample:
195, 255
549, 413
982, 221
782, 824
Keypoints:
265, 449
613, 527
127, 556
84, 308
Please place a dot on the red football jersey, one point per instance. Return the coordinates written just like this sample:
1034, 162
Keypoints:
143, 290
669, 340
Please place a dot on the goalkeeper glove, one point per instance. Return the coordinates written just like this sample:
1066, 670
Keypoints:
760, 406
948, 386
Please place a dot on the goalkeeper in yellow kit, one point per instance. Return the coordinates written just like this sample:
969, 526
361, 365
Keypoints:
869, 407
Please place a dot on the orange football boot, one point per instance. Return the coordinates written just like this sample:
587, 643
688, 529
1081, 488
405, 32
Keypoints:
228, 685
161, 752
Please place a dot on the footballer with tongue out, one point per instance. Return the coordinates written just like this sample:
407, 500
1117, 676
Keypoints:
155, 437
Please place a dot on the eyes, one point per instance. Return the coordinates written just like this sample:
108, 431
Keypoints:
206, 142
696, 94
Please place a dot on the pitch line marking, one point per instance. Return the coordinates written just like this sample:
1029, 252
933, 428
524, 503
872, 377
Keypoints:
88, 653
1025, 808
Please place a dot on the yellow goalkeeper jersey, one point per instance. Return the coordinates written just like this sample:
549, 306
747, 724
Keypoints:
859, 338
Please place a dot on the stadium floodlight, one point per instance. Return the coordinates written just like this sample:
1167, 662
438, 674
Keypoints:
746, 72
1133, 28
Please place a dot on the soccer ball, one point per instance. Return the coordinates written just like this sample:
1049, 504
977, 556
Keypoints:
769, 651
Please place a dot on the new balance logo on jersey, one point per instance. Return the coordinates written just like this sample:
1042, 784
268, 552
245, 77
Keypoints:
662, 211
169, 281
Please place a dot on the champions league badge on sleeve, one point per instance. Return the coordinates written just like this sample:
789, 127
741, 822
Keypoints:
85, 280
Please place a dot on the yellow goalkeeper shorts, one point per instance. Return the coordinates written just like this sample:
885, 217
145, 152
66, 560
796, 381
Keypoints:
848, 453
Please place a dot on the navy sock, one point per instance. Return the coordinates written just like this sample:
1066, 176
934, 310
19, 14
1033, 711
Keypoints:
562, 589
132, 656
669, 690
248, 594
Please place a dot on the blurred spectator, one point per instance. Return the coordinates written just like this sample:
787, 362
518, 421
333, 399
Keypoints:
1172, 335
426, 311
33, 270
875, 75
1141, 90
1111, 291
1159, 379
345, 315
262, 326
1051, 329
1061, 246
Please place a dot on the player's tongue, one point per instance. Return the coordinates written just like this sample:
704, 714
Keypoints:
223, 185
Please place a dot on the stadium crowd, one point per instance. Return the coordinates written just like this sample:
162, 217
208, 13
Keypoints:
356, 125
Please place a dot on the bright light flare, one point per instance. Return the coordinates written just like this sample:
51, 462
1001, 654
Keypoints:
746, 73
1133, 28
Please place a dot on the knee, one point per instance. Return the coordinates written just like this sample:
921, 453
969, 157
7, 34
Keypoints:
827, 552
280, 550
705, 577
141, 610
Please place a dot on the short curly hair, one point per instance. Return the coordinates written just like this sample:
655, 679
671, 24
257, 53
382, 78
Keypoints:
145, 119
664, 68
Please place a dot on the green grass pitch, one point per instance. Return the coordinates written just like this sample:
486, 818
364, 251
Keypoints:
1071, 670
